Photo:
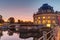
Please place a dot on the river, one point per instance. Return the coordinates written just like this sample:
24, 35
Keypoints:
4, 35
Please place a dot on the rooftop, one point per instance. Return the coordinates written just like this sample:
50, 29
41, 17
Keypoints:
45, 8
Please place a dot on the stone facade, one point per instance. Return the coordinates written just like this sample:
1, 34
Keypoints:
46, 16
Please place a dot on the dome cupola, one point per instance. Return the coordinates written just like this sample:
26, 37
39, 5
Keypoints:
45, 8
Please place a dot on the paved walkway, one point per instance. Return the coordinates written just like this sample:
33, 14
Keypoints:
57, 33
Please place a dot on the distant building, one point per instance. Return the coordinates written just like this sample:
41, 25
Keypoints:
46, 16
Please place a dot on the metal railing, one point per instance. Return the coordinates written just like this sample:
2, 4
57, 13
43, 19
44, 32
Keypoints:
45, 37
53, 33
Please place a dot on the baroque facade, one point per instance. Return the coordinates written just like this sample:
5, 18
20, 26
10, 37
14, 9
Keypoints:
46, 16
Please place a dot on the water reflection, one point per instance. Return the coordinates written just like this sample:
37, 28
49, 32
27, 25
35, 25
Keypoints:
1, 34
11, 35
22, 32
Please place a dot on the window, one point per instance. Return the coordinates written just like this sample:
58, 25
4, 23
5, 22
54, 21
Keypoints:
53, 21
48, 10
44, 21
48, 25
39, 22
38, 17
36, 22
49, 21
43, 17
48, 17
35, 18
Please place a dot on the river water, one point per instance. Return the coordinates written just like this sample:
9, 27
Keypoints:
5, 35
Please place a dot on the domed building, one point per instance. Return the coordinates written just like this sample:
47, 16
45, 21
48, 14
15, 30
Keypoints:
45, 8
46, 16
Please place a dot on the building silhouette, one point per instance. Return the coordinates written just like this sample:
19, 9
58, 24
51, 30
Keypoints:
1, 19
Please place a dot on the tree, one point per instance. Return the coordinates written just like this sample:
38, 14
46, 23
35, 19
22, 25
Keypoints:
1, 20
18, 21
11, 20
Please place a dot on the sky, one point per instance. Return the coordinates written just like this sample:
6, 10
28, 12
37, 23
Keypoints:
24, 9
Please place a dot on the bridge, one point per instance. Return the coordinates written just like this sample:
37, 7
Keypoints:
52, 34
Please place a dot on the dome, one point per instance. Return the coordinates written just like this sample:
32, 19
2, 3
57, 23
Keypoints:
45, 8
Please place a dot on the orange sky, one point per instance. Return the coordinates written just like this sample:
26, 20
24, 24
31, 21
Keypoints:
22, 18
